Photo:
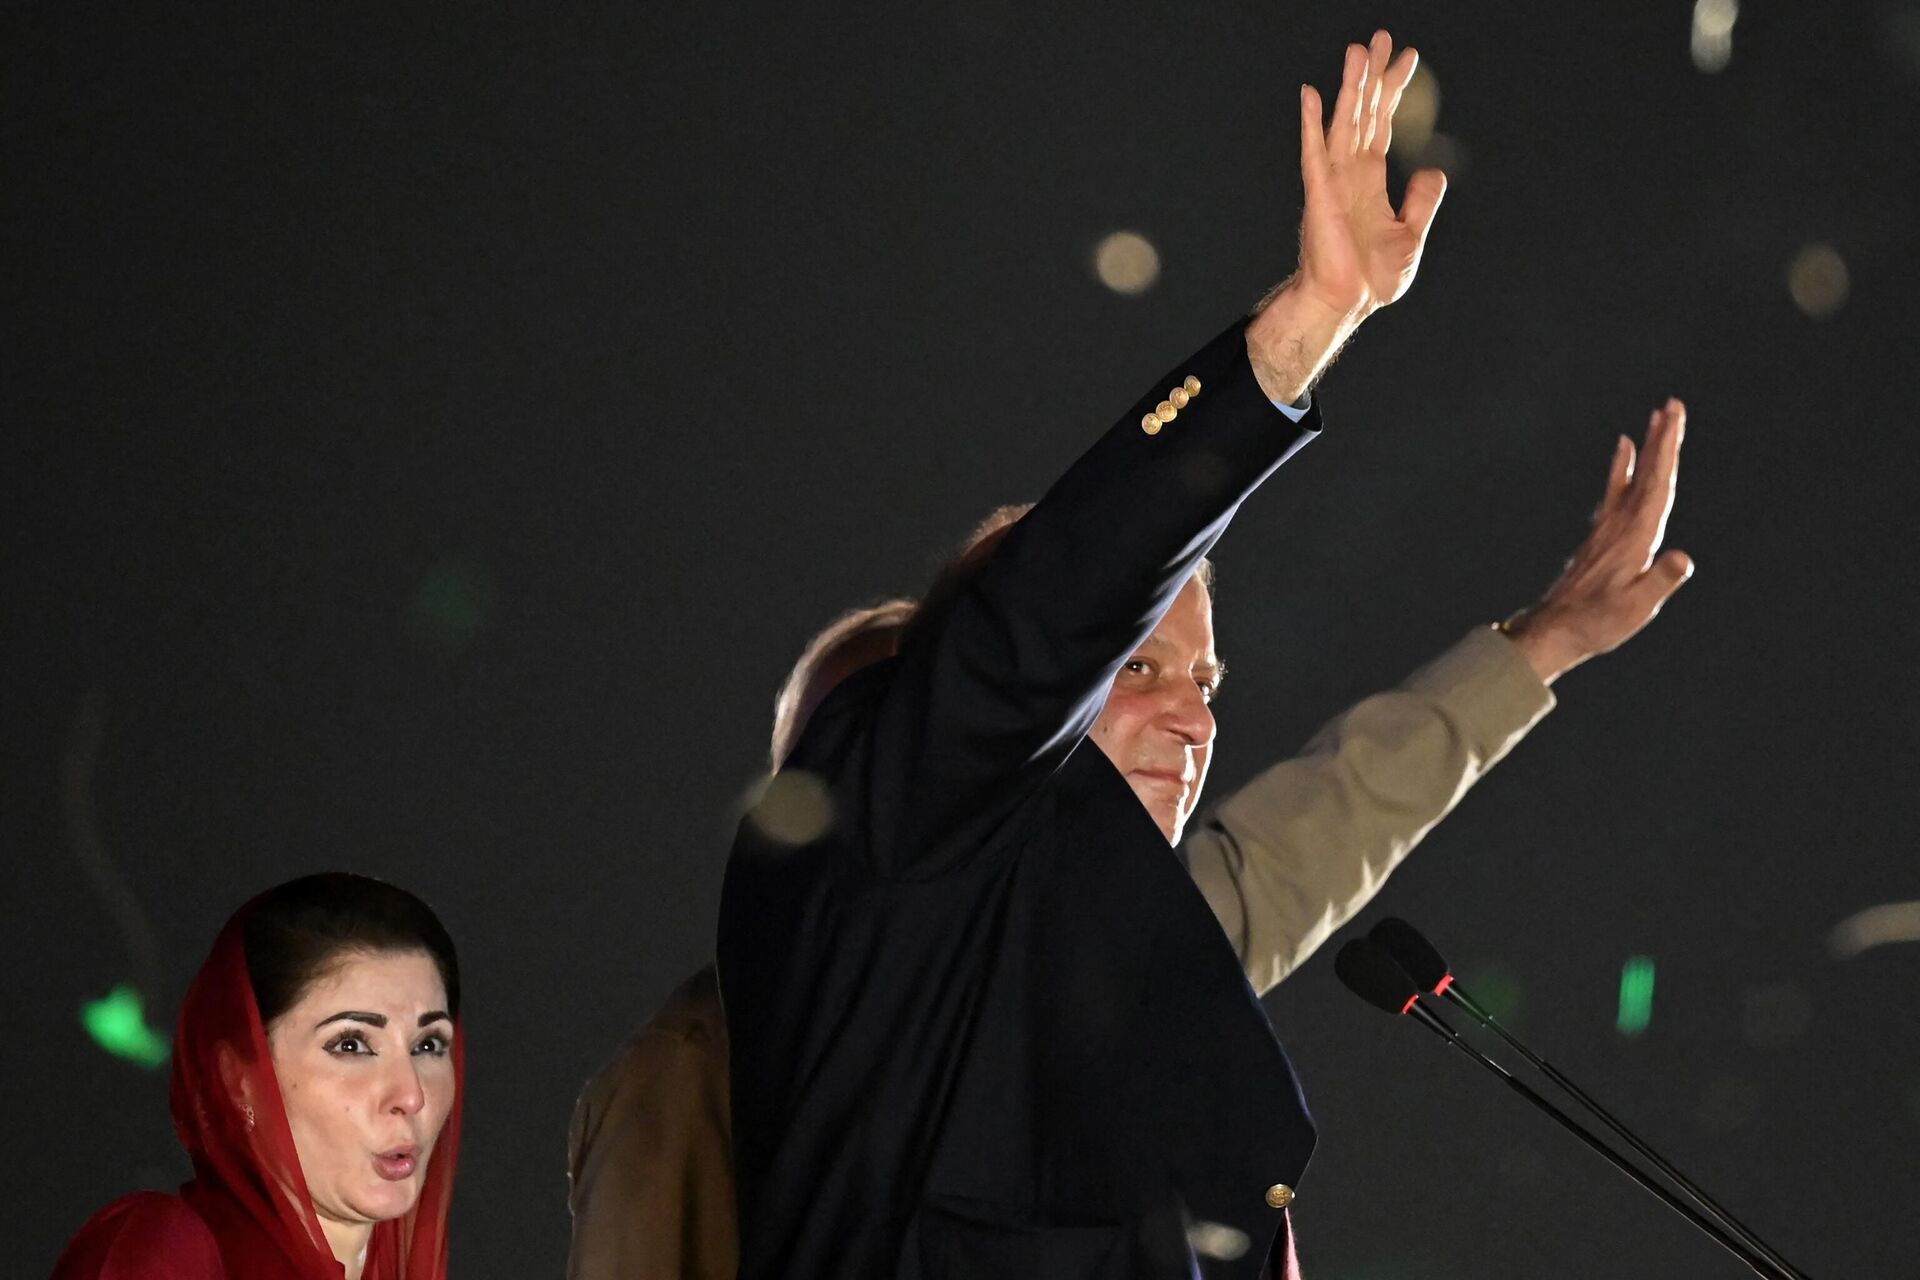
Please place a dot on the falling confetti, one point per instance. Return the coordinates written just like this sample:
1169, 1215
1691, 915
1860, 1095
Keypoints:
1636, 996
1817, 280
793, 807
1712, 40
118, 1024
1127, 262
1874, 927
1217, 1240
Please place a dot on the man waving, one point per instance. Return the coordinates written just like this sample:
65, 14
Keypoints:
985, 1025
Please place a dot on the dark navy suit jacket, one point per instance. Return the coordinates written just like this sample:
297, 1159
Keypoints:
985, 1025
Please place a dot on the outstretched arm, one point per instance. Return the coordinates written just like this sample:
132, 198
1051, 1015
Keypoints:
1298, 851
991, 696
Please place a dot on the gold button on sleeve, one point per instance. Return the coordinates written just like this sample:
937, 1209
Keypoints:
1279, 1196
1150, 425
1165, 411
1191, 385
1179, 397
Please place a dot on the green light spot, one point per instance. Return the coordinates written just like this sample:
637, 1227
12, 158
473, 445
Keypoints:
1495, 986
118, 1024
451, 605
1636, 996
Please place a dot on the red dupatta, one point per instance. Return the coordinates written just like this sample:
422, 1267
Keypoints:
248, 1186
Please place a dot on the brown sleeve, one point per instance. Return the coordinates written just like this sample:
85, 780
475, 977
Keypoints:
650, 1165
1298, 851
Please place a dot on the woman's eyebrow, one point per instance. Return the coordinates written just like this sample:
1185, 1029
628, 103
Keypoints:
354, 1015
438, 1015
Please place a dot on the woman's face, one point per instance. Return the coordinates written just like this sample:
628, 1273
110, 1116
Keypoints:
365, 1064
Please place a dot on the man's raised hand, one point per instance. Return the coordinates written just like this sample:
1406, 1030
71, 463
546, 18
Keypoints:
1619, 578
1356, 253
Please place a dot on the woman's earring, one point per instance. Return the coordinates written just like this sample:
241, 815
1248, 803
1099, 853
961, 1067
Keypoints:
246, 1109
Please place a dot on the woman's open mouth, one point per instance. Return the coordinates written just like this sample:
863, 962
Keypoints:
395, 1165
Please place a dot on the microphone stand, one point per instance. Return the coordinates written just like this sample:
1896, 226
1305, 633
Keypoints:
1460, 998
1761, 1266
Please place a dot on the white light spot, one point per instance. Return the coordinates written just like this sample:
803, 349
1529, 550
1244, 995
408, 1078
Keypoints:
1712, 42
1217, 1240
1419, 112
1876, 926
1715, 17
1127, 262
793, 807
1817, 279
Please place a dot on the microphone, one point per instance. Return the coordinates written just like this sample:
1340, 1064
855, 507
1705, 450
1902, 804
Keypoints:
1423, 963
1372, 974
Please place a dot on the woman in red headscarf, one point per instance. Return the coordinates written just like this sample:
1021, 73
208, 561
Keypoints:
317, 1079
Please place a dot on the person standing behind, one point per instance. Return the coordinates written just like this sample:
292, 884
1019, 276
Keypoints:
649, 1157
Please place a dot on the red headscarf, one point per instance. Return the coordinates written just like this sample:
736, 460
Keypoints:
248, 1187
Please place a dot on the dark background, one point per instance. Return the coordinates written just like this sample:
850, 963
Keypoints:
429, 439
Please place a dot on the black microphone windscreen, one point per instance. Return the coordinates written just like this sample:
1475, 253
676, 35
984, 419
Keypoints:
1370, 973
1411, 951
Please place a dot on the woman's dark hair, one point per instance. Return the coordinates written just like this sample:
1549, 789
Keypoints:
296, 932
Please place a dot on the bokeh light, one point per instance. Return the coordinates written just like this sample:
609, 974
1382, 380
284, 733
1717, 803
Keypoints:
1494, 986
1636, 996
1817, 279
118, 1024
1217, 1240
1126, 262
1875, 927
793, 807
1712, 41
1419, 114
451, 605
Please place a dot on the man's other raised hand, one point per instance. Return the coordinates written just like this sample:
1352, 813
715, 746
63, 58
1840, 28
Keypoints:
1619, 578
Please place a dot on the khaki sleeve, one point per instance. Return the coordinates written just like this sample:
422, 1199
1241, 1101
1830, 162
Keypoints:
1298, 851
650, 1166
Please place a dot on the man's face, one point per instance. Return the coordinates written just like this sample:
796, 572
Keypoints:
1157, 728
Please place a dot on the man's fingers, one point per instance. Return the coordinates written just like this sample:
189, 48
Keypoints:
1379, 50
1664, 577
1400, 74
1313, 140
1655, 485
1619, 475
1398, 77
1346, 107
1425, 190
